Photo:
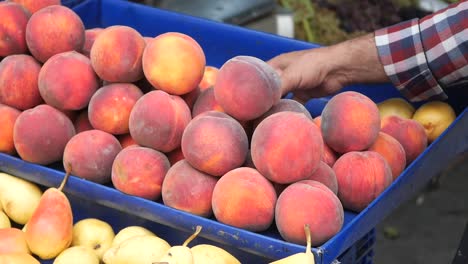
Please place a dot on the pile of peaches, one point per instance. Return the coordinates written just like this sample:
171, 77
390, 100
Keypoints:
148, 116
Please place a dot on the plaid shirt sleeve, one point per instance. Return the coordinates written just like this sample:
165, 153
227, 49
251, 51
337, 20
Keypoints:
422, 57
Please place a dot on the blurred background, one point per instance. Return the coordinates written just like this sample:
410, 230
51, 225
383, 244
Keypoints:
426, 229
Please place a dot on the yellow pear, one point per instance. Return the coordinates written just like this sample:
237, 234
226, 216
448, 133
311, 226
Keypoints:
209, 254
435, 117
306, 257
145, 249
94, 234
4, 220
395, 106
50, 229
128, 232
77, 255
19, 197
181, 254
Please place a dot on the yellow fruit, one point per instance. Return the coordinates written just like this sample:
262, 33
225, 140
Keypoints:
77, 255
209, 254
4, 220
435, 117
395, 106
128, 232
19, 197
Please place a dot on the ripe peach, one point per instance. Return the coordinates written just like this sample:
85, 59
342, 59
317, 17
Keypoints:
122, 62
286, 147
41, 133
67, 81
36, 5
126, 140
174, 62
158, 120
206, 102
247, 87
350, 122
52, 30
8, 117
90, 154
209, 77
175, 155
191, 97
392, 151
214, 143
308, 202
81, 122
188, 189
244, 198
140, 171
326, 175
409, 133
110, 107
285, 105
90, 36
13, 29
362, 176
18, 78
329, 155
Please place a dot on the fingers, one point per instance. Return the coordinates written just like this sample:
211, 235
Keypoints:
284, 60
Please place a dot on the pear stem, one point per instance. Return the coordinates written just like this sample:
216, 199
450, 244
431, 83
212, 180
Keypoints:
68, 169
192, 237
308, 239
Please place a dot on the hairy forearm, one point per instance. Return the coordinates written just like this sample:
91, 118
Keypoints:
358, 60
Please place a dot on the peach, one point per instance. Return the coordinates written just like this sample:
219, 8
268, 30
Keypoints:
308, 202
8, 116
392, 151
18, 78
248, 161
126, 140
122, 62
52, 30
175, 155
284, 105
247, 87
174, 62
140, 171
13, 29
41, 133
286, 147
110, 107
326, 175
188, 189
158, 120
90, 36
67, 81
362, 176
214, 143
409, 133
209, 77
81, 122
329, 155
13, 240
91, 154
206, 102
245, 199
350, 122
35, 5
191, 97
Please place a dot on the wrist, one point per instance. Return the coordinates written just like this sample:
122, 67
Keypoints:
358, 61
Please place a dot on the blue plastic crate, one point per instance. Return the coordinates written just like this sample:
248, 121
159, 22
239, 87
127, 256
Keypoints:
353, 244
